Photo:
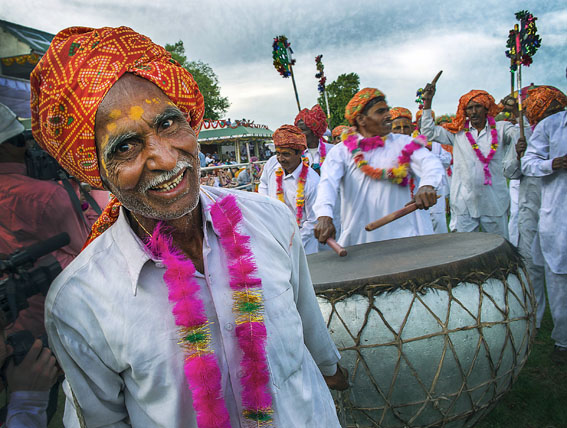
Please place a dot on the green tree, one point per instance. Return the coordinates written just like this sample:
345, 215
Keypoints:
339, 93
215, 104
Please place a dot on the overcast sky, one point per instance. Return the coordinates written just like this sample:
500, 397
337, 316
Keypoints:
394, 46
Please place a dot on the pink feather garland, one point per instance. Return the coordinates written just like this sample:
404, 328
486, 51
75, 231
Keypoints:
201, 369
251, 336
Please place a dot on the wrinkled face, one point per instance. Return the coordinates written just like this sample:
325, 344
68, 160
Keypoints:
376, 121
402, 125
312, 140
147, 150
289, 159
476, 112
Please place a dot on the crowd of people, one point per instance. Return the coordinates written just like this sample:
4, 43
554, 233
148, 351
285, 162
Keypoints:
459, 168
187, 303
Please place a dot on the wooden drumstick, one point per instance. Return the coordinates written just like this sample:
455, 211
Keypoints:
436, 78
393, 216
336, 247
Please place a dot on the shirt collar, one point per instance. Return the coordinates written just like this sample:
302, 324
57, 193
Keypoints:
132, 247
564, 122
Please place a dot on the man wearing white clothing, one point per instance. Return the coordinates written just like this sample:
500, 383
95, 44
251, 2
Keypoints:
190, 306
288, 178
479, 193
372, 167
546, 157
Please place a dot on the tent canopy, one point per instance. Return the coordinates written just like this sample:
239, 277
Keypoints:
228, 134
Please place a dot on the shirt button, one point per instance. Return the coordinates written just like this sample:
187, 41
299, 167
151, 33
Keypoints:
159, 264
229, 326
240, 373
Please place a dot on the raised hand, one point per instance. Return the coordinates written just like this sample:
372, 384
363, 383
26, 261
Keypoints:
429, 91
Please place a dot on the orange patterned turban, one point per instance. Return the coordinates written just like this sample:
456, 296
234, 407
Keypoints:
74, 75
338, 130
478, 96
539, 99
420, 113
315, 119
360, 99
290, 137
398, 112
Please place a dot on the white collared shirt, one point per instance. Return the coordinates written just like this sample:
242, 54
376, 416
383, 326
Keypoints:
316, 158
469, 195
110, 325
364, 199
548, 142
268, 186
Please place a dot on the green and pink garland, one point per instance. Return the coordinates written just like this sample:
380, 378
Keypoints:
201, 367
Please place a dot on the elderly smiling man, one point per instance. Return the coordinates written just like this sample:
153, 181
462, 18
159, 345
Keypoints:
189, 307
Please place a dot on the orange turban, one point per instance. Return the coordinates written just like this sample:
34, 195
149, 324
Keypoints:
315, 119
290, 137
420, 113
539, 99
398, 112
74, 75
478, 96
338, 130
359, 101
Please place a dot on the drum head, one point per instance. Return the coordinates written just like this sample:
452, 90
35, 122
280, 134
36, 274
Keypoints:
446, 259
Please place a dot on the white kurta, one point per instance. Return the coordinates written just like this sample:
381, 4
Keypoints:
268, 186
437, 211
549, 141
529, 202
469, 195
364, 199
316, 157
110, 324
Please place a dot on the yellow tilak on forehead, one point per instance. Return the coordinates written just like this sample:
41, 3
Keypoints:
115, 114
136, 112
147, 101
111, 127
104, 143
156, 100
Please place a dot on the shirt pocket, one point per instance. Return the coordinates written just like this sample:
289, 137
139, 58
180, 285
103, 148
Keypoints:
285, 345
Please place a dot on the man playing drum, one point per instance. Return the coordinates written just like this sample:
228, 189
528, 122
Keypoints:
190, 306
288, 178
546, 157
372, 168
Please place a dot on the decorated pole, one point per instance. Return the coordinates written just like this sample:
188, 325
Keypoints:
523, 42
283, 62
322, 80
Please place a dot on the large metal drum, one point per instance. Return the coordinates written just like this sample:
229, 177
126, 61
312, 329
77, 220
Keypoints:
433, 329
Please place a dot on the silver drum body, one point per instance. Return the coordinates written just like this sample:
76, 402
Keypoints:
431, 355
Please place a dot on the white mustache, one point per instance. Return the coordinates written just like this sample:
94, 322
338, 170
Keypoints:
165, 176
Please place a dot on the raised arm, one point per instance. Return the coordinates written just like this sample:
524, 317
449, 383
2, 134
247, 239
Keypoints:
428, 127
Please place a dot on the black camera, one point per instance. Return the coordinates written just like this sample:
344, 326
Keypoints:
41, 165
24, 281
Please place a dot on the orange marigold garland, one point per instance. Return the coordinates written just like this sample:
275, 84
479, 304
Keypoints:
398, 174
300, 195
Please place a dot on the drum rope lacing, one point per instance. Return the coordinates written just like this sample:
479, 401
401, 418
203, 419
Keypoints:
334, 296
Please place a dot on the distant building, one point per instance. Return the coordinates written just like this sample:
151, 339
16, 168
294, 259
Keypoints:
20, 50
